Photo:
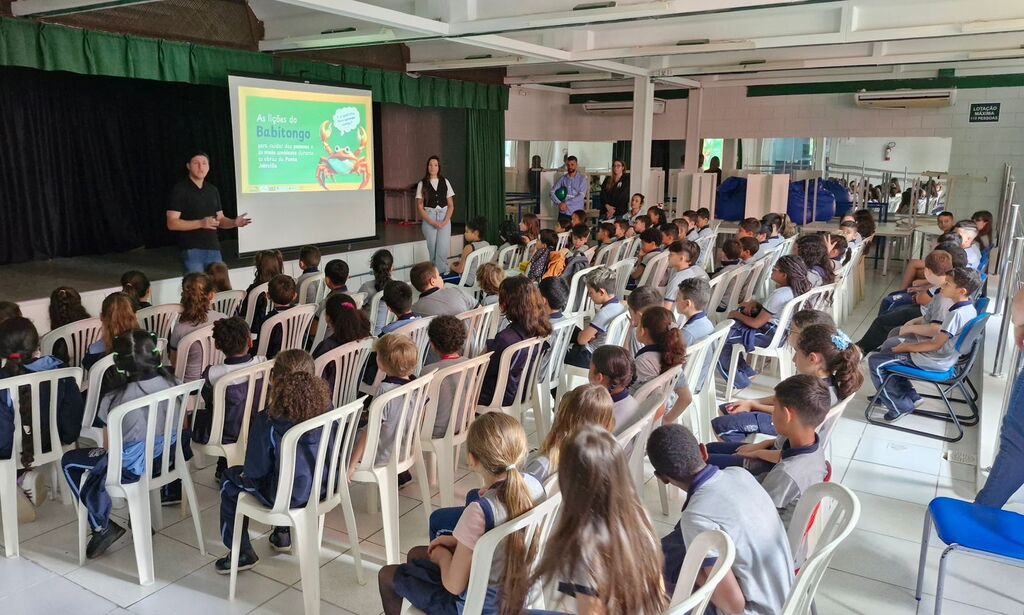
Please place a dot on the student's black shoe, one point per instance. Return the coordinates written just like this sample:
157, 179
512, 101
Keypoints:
404, 478
102, 539
894, 415
246, 560
222, 464
281, 539
170, 494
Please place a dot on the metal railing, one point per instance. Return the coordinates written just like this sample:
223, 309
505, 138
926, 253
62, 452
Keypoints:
1009, 246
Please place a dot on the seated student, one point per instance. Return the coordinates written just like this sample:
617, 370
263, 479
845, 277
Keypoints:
489, 278
601, 289
682, 265
578, 217
650, 247
838, 251
637, 302
749, 227
381, 266
729, 257
136, 285
230, 336
435, 577
605, 238
730, 500
19, 345
556, 295
983, 221
704, 223
814, 252
693, 230
529, 227
436, 298
601, 522
927, 303
657, 215
9, 309
756, 323
521, 303
936, 354
663, 349
773, 236
790, 464
684, 227
268, 263
848, 229
587, 404
821, 351
447, 336
612, 368
946, 221
641, 224
472, 239
221, 276
294, 398
622, 230
282, 293
309, 262
197, 311
547, 243
118, 316
669, 233
578, 257
139, 363
750, 250
968, 233
65, 308
865, 222
636, 208
336, 280
690, 304
911, 295
564, 224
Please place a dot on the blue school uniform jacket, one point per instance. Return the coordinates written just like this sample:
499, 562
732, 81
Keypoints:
263, 459
70, 408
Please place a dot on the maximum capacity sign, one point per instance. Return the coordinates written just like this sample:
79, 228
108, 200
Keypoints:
984, 112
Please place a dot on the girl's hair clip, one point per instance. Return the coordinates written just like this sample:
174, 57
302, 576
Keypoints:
841, 340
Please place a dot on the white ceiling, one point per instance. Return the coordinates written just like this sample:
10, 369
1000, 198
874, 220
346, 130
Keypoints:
685, 43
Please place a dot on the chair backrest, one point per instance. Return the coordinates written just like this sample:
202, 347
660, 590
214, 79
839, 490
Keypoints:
464, 379
478, 323
967, 341
622, 270
563, 240
633, 438
707, 250
836, 525
654, 271
749, 284
254, 295
227, 301
579, 299
660, 385
411, 401
312, 288
203, 337
323, 326
507, 257
256, 379
95, 392
348, 361
417, 332
722, 284
294, 323
610, 253
714, 544
159, 319
536, 526
529, 352
703, 355
10, 388
528, 251
163, 412
617, 329
810, 299
473, 261
337, 433
559, 341
77, 336
828, 426
377, 322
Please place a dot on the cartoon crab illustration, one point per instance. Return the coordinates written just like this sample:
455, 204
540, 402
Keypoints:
342, 160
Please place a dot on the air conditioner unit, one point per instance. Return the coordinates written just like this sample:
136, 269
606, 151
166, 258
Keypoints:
905, 99
620, 108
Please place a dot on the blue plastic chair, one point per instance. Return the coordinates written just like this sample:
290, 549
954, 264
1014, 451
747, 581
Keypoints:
966, 526
955, 378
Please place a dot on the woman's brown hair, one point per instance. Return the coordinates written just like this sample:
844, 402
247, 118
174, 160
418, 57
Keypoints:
220, 275
842, 357
521, 302
532, 223
661, 327
268, 263
588, 404
603, 529
298, 396
118, 316
66, 307
196, 289
498, 443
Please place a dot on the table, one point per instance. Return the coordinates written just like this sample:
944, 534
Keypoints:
887, 230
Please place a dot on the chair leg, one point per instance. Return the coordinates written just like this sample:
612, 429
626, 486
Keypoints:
353, 533
308, 552
941, 583
733, 364
663, 495
189, 489
445, 462
9, 507
156, 510
923, 560
387, 487
421, 470
142, 534
236, 546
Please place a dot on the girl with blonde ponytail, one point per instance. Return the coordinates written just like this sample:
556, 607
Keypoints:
436, 577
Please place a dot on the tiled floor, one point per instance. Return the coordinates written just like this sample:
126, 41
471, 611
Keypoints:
874, 572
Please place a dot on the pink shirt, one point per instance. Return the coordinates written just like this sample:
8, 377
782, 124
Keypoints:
471, 526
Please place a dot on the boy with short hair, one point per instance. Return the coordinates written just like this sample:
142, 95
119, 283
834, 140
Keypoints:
447, 336
641, 224
436, 298
749, 227
730, 500
938, 353
650, 247
578, 217
309, 262
750, 250
606, 234
397, 297
472, 240
968, 232
282, 293
692, 299
682, 265
637, 303
601, 288
670, 233
555, 292
730, 256
704, 223
622, 229
336, 280
577, 258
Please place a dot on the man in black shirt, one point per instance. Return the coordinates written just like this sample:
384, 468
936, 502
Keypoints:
195, 214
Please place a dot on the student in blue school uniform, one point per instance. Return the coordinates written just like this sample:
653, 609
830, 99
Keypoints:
398, 299
755, 323
936, 354
138, 360
281, 291
682, 265
814, 252
601, 284
309, 262
294, 398
118, 316
704, 223
775, 222
555, 292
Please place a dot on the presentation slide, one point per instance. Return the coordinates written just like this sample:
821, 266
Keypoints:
303, 162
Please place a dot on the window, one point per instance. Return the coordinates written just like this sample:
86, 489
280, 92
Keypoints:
510, 154
712, 147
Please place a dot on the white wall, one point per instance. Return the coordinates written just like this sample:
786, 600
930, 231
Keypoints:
913, 153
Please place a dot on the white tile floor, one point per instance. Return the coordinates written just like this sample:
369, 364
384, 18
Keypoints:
894, 474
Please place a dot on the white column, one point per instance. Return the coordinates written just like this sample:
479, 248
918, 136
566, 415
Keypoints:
693, 105
643, 129
819, 153
729, 154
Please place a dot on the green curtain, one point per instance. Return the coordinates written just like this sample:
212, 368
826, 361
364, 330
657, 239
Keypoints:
44, 46
485, 168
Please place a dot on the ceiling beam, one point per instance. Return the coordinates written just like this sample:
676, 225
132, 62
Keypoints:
364, 11
330, 41
53, 8
558, 78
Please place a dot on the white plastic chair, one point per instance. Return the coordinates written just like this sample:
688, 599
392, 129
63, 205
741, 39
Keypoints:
294, 323
703, 384
159, 319
579, 301
748, 288
92, 400
837, 510
535, 525
203, 337
633, 438
661, 385
254, 295
9, 388
686, 599
508, 257
377, 322
828, 426
528, 251
563, 240
551, 373
464, 379
348, 361
416, 330
166, 409
312, 289
227, 301
405, 453
724, 287
654, 272
614, 336
256, 378
78, 336
707, 250
479, 323
609, 254
467, 282
337, 434
622, 270
530, 352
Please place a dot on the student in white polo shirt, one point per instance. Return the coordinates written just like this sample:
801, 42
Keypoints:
601, 287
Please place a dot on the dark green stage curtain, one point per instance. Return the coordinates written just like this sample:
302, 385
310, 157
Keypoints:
485, 167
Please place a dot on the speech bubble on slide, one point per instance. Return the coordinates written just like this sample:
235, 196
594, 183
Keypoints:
346, 119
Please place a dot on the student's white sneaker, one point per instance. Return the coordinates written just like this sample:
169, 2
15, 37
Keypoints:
31, 483
26, 512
